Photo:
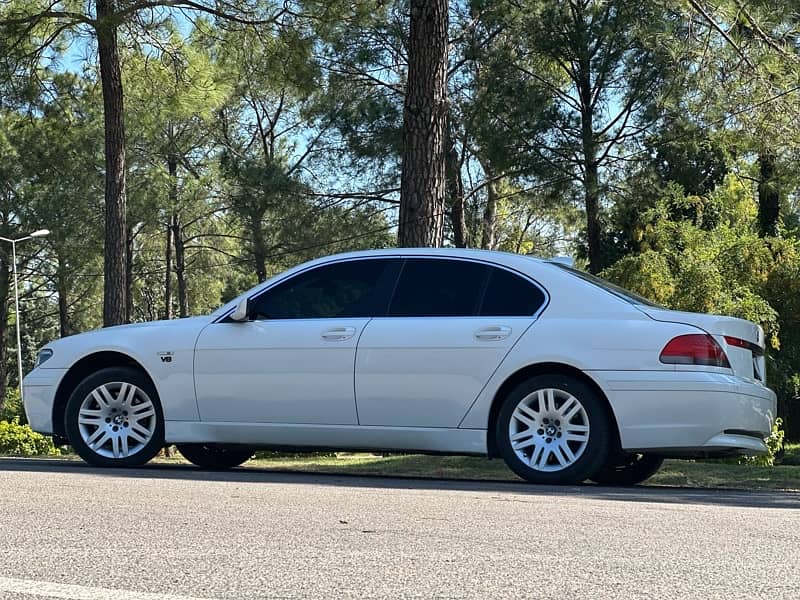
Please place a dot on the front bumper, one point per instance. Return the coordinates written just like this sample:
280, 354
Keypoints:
39, 390
689, 413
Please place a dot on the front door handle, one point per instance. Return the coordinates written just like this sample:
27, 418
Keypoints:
493, 333
338, 334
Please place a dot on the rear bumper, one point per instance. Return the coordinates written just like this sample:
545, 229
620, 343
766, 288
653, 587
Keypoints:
39, 389
689, 413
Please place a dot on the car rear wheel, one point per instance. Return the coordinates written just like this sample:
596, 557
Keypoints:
114, 418
215, 456
553, 429
630, 469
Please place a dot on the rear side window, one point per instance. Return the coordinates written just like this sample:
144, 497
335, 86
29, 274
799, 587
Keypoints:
509, 295
358, 288
439, 288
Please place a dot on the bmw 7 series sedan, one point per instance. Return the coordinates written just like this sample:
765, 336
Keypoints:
561, 374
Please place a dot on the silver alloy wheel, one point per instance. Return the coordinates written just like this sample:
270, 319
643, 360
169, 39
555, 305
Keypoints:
117, 419
549, 430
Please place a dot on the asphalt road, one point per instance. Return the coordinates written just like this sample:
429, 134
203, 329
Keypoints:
176, 533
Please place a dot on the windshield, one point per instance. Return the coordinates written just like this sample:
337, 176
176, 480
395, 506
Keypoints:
620, 292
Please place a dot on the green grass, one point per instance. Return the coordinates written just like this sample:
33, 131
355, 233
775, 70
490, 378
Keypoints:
674, 473
681, 473
792, 455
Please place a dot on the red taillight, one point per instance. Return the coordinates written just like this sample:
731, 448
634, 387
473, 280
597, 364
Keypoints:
694, 349
754, 348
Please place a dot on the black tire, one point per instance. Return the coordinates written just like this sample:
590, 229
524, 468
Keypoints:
113, 378
215, 456
630, 469
589, 454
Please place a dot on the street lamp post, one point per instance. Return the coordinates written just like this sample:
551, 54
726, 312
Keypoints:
35, 234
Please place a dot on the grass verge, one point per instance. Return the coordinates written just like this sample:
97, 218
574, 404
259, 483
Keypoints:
674, 473
681, 473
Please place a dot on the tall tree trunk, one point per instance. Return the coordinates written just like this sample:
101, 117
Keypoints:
129, 241
591, 179
593, 228
489, 211
769, 199
114, 301
455, 193
259, 247
172, 168
63, 303
180, 266
5, 290
168, 276
422, 184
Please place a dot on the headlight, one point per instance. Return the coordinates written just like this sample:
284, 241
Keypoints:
43, 356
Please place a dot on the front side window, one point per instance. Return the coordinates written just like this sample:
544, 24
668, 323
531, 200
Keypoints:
358, 288
431, 287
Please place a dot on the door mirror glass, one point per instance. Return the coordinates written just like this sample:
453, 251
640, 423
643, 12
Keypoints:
242, 312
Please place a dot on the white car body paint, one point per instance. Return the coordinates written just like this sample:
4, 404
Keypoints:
428, 383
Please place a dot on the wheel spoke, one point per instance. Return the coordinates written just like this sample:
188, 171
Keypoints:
574, 428
103, 397
137, 436
140, 416
575, 438
524, 443
123, 440
139, 433
567, 452
569, 409
127, 395
95, 436
536, 454
544, 406
87, 416
102, 439
522, 417
544, 456
115, 439
521, 434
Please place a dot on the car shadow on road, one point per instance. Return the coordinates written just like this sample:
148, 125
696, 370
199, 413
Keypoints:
508, 489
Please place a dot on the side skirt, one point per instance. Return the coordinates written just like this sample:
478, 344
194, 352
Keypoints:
330, 437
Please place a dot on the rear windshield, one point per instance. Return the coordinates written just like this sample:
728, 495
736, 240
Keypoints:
621, 293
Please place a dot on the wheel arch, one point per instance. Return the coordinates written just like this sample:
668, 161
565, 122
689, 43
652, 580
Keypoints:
80, 370
545, 368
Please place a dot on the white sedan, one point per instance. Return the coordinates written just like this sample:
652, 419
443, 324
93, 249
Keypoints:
561, 374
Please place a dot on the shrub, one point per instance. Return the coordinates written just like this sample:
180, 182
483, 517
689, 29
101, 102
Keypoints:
12, 407
21, 440
774, 445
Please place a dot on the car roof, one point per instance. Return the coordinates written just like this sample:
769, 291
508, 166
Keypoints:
490, 255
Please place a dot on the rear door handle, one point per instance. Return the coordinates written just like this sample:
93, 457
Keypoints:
338, 334
493, 333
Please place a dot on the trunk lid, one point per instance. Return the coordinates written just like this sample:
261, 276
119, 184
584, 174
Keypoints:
743, 341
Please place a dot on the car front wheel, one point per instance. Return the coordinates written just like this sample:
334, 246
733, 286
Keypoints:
553, 429
114, 418
215, 456
629, 469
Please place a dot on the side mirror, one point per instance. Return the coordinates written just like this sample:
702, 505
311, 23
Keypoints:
242, 312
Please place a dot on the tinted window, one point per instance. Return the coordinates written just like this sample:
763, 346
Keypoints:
509, 295
349, 289
438, 288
